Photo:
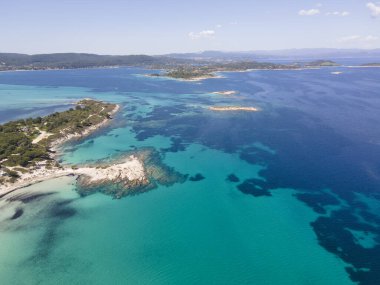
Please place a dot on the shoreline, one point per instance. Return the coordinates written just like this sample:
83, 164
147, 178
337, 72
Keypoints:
233, 108
130, 169
219, 76
38, 175
197, 79
194, 79
60, 142
26, 182
225, 93
58, 69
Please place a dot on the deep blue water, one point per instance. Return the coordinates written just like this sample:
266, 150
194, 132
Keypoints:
302, 206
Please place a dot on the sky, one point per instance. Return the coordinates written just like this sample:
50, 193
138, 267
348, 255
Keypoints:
166, 26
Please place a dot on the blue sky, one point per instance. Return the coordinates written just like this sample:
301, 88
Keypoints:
163, 26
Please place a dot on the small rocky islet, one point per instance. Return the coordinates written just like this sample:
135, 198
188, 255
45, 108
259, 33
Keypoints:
148, 175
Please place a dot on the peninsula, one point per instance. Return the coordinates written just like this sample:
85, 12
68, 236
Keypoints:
28, 154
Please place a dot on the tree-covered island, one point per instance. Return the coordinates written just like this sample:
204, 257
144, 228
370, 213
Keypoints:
194, 72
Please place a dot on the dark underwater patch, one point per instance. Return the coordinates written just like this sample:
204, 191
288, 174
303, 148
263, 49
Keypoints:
88, 143
318, 201
255, 155
62, 203
196, 177
233, 178
17, 214
310, 156
62, 213
253, 187
333, 235
29, 197
56, 214
176, 146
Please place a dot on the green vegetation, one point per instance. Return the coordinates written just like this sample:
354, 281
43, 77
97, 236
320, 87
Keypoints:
17, 148
321, 63
207, 70
194, 71
185, 68
189, 73
15, 61
85, 114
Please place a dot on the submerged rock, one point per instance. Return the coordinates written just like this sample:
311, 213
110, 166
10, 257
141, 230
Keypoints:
254, 187
233, 178
197, 177
127, 175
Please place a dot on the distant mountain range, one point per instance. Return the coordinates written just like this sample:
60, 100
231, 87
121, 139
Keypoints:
289, 54
15, 61
11, 61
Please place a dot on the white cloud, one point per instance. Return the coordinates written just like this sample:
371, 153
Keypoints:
310, 12
349, 38
206, 34
357, 38
219, 26
375, 10
337, 13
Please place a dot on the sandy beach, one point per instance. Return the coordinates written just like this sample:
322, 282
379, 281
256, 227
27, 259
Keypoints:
193, 79
129, 169
233, 108
227, 93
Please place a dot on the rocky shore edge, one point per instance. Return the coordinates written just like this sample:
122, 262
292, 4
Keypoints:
130, 174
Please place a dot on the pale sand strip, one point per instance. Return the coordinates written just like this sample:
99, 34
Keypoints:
234, 108
41, 136
130, 169
229, 92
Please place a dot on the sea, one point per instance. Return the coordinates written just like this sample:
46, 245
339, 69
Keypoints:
287, 195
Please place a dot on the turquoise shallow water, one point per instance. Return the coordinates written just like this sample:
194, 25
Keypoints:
208, 231
194, 233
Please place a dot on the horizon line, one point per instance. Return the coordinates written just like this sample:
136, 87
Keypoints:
194, 52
